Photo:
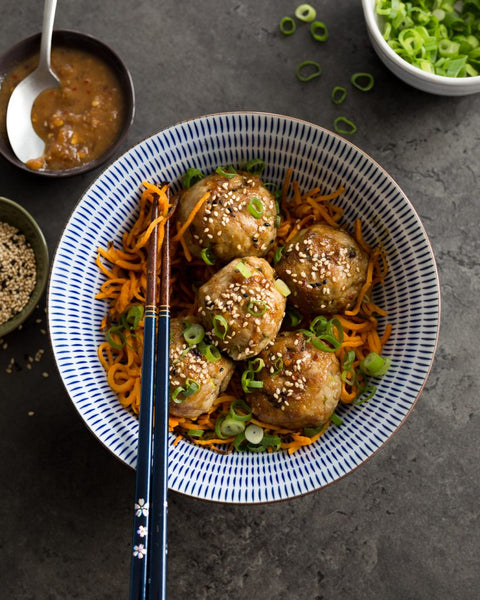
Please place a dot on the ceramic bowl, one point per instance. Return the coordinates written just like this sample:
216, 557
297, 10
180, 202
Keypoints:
318, 157
81, 41
427, 82
15, 215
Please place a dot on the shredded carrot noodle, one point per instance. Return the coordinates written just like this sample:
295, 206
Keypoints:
125, 286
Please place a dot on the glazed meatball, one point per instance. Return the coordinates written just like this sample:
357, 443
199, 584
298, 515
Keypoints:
187, 365
225, 223
301, 385
241, 307
324, 268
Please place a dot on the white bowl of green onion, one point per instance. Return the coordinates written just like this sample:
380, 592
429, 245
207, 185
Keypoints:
433, 46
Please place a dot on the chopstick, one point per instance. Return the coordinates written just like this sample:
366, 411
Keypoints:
148, 567
158, 521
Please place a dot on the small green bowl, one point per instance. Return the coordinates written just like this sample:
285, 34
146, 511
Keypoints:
15, 215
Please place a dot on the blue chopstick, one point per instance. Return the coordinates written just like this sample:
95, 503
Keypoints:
158, 520
142, 507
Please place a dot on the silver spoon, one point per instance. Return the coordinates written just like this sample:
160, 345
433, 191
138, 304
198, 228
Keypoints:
24, 140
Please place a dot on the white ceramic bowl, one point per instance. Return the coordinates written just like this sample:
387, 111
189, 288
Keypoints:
427, 82
317, 156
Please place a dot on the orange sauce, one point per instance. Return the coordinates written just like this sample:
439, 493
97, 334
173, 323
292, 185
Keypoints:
78, 121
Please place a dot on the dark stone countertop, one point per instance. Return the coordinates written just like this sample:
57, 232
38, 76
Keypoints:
405, 525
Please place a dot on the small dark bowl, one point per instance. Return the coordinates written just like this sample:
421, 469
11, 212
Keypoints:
82, 41
15, 215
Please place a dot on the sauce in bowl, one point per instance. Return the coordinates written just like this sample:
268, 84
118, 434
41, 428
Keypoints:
78, 121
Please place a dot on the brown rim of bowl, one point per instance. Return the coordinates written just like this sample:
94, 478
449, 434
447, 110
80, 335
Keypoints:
75, 39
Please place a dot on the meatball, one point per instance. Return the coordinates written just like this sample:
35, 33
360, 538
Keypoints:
241, 307
188, 367
324, 268
301, 385
237, 218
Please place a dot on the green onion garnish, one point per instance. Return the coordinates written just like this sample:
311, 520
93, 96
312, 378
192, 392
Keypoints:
336, 420
243, 269
311, 431
220, 326
344, 126
254, 434
278, 254
256, 364
116, 330
308, 70
278, 366
180, 394
191, 177
208, 256
193, 334
134, 316
255, 166
248, 381
196, 433
240, 410
338, 95
282, 287
294, 315
370, 390
228, 172
362, 81
375, 365
210, 352
305, 13
228, 426
255, 207
257, 308
319, 31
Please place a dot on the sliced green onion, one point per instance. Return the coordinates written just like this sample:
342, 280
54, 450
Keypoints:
210, 352
193, 334
370, 390
248, 381
311, 431
319, 31
208, 256
362, 81
238, 441
243, 269
180, 394
230, 426
336, 420
305, 13
257, 308
118, 331
338, 94
220, 326
278, 366
191, 177
196, 433
256, 364
308, 70
344, 126
325, 343
294, 315
240, 410
254, 434
134, 316
287, 26
255, 207
256, 166
375, 365
319, 325
278, 254
228, 172
271, 441
282, 287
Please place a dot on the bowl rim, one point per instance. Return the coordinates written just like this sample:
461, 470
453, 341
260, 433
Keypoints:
432, 78
128, 93
255, 114
41, 256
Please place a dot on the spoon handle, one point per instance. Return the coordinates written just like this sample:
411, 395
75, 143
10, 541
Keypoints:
47, 29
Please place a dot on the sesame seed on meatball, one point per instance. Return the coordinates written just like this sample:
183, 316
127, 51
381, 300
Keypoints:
301, 384
237, 219
325, 269
188, 364
241, 308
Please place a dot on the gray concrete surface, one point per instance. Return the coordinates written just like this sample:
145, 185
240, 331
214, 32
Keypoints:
404, 526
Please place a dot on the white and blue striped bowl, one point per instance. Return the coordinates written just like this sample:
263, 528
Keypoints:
317, 157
